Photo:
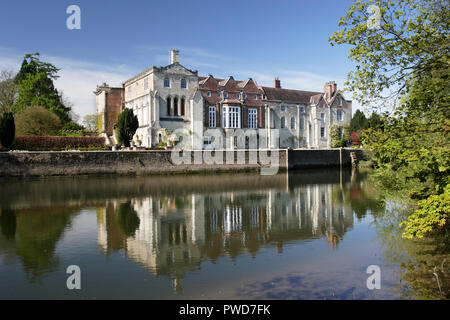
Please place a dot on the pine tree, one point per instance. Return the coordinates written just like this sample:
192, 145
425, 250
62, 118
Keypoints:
7, 129
126, 126
36, 87
358, 122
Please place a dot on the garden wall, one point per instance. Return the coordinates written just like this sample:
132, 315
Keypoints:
152, 162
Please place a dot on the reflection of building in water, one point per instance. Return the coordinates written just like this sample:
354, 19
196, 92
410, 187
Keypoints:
176, 233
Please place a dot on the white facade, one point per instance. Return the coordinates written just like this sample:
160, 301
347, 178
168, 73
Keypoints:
164, 99
173, 97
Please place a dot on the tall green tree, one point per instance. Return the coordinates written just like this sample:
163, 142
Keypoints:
358, 122
401, 49
36, 87
393, 42
126, 126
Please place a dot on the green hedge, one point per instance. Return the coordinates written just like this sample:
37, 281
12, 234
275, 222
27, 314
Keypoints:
54, 143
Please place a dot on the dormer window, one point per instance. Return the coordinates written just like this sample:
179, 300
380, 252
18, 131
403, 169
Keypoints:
219, 94
339, 101
256, 97
244, 96
238, 96
208, 93
183, 83
166, 83
225, 95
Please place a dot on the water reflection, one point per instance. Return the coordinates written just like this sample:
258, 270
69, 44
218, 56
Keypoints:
172, 225
171, 235
31, 235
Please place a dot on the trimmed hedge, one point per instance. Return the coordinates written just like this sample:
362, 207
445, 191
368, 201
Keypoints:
41, 143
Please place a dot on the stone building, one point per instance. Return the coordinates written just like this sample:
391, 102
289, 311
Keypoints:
304, 118
231, 113
109, 105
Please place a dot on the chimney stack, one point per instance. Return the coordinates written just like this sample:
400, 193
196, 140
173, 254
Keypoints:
330, 89
277, 83
174, 56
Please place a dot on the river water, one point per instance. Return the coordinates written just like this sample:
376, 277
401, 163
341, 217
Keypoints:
303, 235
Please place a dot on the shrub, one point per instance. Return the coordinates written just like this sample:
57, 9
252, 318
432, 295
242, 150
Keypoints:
338, 141
432, 215
7, 129
37, 121
36, 143
126, 126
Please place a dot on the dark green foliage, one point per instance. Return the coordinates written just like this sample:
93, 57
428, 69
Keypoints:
358, 122
7, 129
403, 64
126, 126
72, 126
375, 121
8, 223
36, 88
127, 219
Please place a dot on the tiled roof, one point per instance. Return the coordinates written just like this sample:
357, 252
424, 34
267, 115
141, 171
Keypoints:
280, 94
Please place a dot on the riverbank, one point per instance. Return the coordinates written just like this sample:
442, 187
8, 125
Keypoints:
23, 164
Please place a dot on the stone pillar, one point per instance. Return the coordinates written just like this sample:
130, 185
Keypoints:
156, 108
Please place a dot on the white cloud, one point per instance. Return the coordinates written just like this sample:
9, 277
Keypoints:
77, 79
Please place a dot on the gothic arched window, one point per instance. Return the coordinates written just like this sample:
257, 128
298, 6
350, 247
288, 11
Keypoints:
182, 107
175, 106
168, 105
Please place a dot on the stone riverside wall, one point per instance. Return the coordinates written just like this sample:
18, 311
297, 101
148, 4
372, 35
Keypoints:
150, 162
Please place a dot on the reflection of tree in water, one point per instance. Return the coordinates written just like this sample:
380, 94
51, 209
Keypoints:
36, 232
8, 223
422, 265
127, 219
361, 194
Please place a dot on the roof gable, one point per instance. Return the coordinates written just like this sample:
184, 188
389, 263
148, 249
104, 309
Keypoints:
250, 86
230, 84
209, 83
176, 68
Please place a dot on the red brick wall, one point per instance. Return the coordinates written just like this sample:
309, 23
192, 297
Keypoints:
114, 100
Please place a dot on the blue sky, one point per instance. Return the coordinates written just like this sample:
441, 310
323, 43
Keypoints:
261, 39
